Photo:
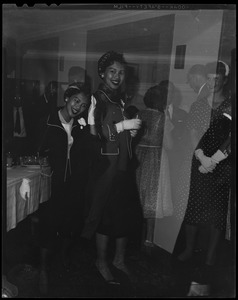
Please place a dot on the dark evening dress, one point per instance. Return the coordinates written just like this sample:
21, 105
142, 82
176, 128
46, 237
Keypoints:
112, 207
209, 192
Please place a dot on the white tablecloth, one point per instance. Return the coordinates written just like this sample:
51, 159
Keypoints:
40, 183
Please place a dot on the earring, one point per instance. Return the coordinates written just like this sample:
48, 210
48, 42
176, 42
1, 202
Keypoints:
102, 75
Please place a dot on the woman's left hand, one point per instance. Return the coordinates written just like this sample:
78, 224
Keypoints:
133, 132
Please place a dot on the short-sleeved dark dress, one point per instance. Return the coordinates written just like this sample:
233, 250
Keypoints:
209, 192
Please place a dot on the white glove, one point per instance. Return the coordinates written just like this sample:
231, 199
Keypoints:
218, 156
128, 125
91, 120
202, 169
205, 161
206, 170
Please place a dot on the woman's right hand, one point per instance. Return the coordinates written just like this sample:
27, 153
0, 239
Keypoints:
132, 124
91, 110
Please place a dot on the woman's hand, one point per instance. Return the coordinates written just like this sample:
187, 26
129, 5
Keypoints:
91, 120
132, 124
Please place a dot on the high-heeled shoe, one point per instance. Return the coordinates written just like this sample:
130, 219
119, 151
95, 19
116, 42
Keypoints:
106, 275
121, 266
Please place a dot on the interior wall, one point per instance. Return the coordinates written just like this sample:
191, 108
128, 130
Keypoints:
202, 37
146, 45
200, 31
40, 61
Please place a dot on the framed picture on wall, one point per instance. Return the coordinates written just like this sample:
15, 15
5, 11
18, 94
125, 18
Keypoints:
180, 57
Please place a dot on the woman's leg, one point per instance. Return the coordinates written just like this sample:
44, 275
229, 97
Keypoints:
120, 250
119, 259
150, 230
212, 246
101, 262
43, 274
190, 234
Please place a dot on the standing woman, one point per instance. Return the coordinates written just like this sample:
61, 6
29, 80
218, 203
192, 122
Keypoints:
67, 143
209, 191
152, 174
110, 208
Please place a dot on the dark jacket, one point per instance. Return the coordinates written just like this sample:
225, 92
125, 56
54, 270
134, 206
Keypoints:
55, 142
114, 154
109, 111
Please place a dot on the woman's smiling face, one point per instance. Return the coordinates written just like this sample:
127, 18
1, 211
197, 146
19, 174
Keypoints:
215, 82
114, 75
77, 104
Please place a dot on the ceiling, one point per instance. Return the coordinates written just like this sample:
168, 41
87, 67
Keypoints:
24, 23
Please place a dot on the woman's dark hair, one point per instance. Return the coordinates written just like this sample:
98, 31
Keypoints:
76, 88
217, 67
156, 98
108, 59
131, 111
50, 85
168, 85
220, 67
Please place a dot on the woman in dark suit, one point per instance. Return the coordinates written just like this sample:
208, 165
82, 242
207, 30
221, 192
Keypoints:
109, 211
67, 144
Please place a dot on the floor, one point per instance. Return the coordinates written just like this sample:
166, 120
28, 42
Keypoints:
154, 275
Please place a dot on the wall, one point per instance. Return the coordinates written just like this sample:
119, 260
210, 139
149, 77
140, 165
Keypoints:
202, 37
198, 30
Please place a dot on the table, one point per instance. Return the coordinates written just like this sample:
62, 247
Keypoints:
18, 208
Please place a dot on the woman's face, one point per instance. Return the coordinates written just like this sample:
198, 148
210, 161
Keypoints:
76, 105
114, 75
215, 82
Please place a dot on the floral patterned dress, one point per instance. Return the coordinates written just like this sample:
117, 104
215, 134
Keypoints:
155, 201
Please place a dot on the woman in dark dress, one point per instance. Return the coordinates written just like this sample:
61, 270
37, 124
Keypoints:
211, 171
67, 143
110, 210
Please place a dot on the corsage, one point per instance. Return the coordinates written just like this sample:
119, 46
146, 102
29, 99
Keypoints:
82, 123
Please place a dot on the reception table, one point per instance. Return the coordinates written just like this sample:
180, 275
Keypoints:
18, 207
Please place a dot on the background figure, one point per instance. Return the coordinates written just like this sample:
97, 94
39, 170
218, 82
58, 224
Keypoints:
210, 174
154, 137
19, 140
195, 126
79, 75
131, 111
196, 78
178, 118
111, 209
67, 143
46, 104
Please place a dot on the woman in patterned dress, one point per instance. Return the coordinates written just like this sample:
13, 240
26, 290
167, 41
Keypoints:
155, 199
209, 191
